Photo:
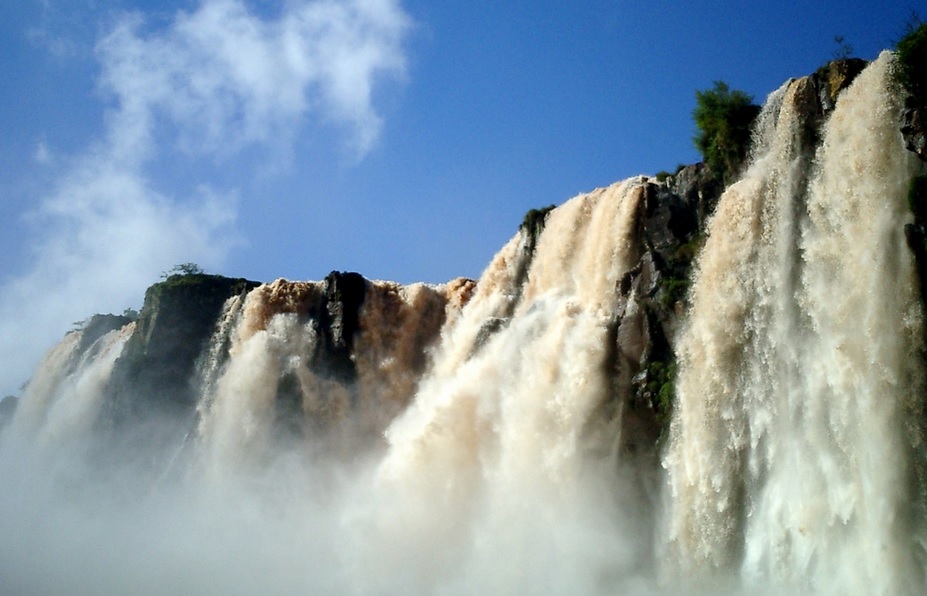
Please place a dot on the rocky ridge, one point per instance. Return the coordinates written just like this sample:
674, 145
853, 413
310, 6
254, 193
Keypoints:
159, 366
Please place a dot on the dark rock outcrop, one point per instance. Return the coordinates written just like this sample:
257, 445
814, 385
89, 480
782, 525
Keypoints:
699, 188
533, 224
490, 327
834, 77
914, 131
158, 368
98, 326
157, 365
916, 231
815, 96
667, 220
338, 320
332, 308
651, 297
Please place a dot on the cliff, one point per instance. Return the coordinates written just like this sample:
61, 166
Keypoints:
184, 334
693, 385
157, 365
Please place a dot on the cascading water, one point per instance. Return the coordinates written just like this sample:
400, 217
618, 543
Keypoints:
798, 425
494, 454
64, 398
273, 343
362, 436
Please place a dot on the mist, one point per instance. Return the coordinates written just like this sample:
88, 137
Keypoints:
506, 434
441, 457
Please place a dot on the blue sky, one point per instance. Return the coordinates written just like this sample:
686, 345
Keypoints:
403, 139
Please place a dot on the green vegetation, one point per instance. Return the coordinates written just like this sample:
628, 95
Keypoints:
844, 50
659, 374
655, 383
183, 269
912, 61
674, 289
191, 289
724, 118
661, 388
677, 273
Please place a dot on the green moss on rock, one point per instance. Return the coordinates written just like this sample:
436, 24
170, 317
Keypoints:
677, 271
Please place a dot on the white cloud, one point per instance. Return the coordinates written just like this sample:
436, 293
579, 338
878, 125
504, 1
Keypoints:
214, 81
228, 78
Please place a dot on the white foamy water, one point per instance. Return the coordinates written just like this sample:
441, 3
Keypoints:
61, 403
471, 439
798, 429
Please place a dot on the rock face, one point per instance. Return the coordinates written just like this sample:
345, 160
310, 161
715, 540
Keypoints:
834, 77
339, 321
98, 326
335, 358
375, 334
673, 222
348, 338
698, 187
652, 296
173, 327
162, 370
914, 130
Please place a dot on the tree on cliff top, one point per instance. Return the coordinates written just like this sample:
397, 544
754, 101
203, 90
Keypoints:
912, 60
723, 118
183, 269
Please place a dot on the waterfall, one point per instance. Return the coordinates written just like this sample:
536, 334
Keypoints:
63, 400
503, 435
277, 358
500, 454
798, 424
